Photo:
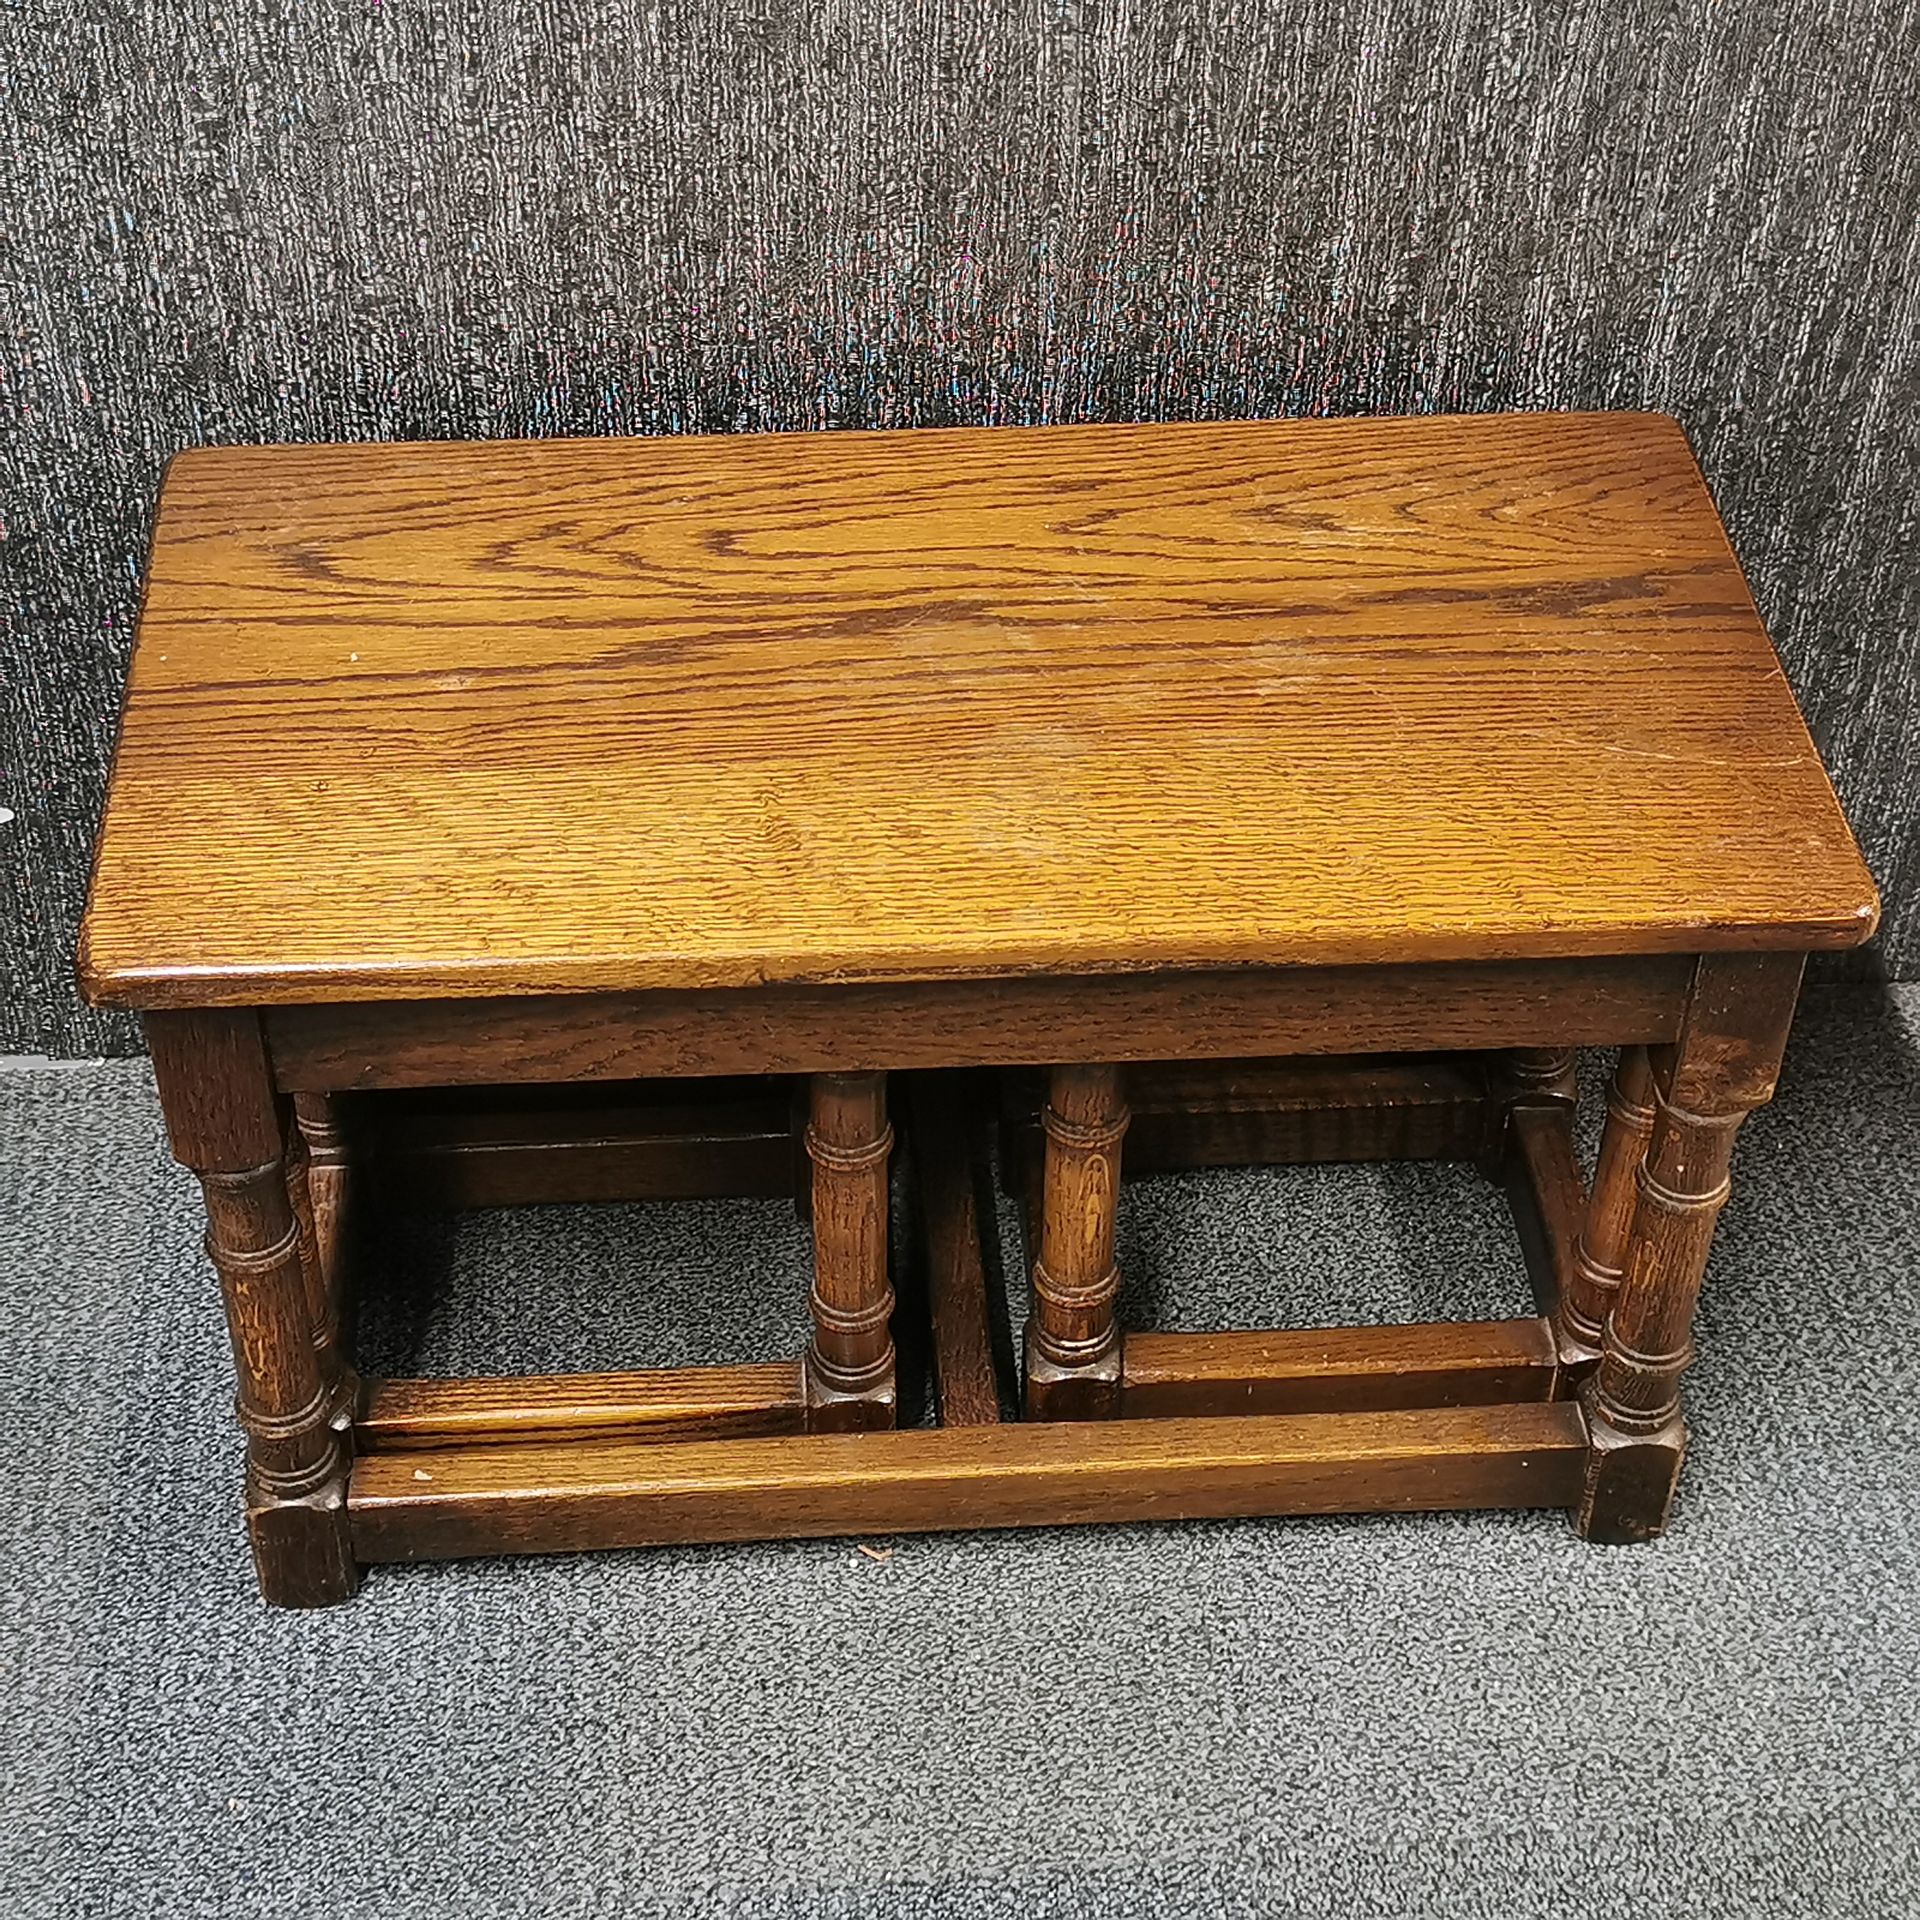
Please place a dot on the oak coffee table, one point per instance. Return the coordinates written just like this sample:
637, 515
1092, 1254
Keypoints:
853, 755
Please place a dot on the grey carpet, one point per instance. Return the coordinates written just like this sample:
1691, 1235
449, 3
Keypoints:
1440, 1715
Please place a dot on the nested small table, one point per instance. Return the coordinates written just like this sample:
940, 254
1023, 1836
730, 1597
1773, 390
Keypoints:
844, 755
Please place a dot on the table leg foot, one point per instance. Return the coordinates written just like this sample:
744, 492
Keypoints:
302, 1554
1080, 1390
1627, 1493
1523, 1076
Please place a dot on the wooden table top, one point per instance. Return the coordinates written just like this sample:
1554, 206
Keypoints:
476, 719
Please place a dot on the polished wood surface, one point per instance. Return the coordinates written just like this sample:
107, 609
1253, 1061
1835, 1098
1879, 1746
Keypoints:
1338, 1369
416, 1505
652, 1403
689, 713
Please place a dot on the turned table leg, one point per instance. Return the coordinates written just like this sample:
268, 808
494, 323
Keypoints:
1073, 1337
1523, 1076
849, 1369
1542, 1074
1600, 1256
1723, 1066
317, 1148
228, 1125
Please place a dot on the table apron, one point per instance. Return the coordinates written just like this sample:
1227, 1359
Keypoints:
862, 1026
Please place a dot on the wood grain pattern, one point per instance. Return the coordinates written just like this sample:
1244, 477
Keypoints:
415, 1043
1337, 1369
651, 1403
425, 1505
605, 715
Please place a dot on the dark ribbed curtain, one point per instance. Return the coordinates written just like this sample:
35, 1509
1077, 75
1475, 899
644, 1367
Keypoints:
296, 219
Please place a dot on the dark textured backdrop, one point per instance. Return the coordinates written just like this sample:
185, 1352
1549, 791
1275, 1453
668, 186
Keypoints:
304, 219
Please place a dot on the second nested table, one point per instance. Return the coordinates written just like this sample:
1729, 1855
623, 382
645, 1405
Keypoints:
837, 755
